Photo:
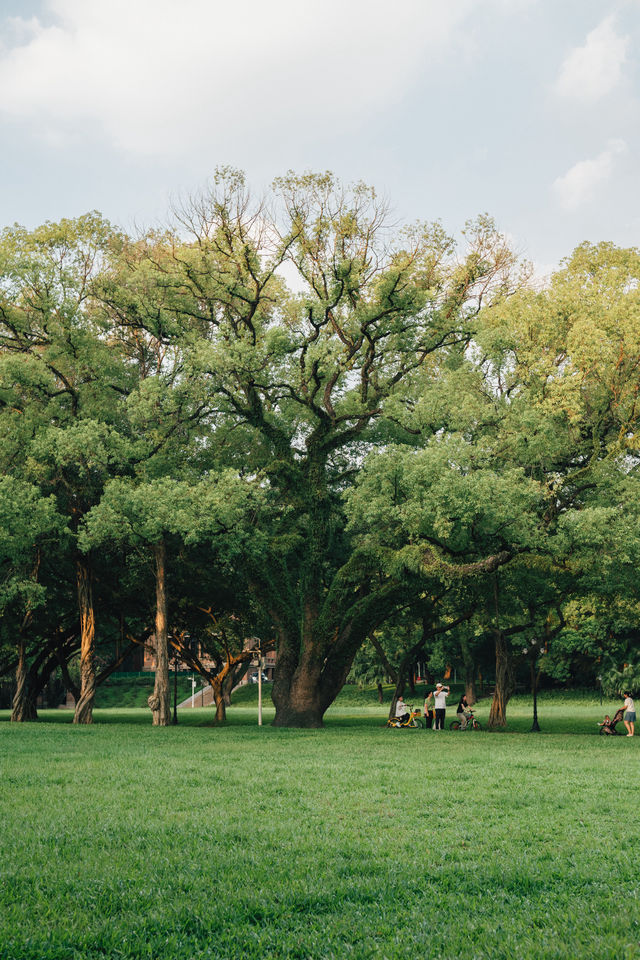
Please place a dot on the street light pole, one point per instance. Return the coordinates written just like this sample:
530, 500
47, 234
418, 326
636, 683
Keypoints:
175, 689
259, 687
535, 726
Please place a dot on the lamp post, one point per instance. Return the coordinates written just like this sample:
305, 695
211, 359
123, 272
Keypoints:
259, 687
175, 688
533, 657
599, 679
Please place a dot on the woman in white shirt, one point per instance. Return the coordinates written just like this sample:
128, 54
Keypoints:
629, 714
440, 695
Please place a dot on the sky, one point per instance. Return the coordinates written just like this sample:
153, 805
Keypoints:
528, 110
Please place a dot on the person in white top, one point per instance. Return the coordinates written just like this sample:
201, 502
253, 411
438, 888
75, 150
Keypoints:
401, 710
629, 714
440, 696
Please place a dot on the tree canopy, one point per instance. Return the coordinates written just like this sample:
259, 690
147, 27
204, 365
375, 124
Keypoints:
341, 424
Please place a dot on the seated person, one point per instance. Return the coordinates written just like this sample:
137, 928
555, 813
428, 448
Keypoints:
461, 711
606, 723
402, 713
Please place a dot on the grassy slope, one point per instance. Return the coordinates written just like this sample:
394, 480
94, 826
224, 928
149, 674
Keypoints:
354, 841
120, 691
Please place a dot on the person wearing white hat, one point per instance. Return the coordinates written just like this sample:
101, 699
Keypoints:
440, 695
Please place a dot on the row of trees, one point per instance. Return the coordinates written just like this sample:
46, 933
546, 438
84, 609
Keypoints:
284, 419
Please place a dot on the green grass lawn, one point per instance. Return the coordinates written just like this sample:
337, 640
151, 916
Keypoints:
124, 841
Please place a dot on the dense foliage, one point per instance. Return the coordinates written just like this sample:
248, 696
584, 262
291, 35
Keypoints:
287, 419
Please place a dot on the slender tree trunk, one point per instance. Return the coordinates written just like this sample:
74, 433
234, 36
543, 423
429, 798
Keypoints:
84, 706
232, 679
219, 700
470, 690
470, 672
227, 686
505, 682
160, 700
24, 708
398, 691
380, 694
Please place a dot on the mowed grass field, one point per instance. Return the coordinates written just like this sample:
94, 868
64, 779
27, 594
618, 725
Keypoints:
123, 841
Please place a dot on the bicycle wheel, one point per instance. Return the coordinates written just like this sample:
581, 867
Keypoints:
454, 725
416, 722
477, 725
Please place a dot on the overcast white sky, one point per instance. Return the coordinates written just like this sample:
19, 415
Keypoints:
526, 109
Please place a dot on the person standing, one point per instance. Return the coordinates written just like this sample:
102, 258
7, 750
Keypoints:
440, 698
428, 710
629, 714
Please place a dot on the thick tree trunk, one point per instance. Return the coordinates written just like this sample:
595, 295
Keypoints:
24, 708
505, 682
301, 705
306, 684
303, 696
84, 706
160, 700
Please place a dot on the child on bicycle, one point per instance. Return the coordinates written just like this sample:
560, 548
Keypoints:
461, 711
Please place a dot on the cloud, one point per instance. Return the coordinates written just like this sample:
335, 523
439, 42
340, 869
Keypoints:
173, 76
581, 182
595, 69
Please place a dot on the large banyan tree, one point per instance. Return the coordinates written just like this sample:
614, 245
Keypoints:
307, 323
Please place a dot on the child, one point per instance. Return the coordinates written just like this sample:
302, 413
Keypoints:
606, 723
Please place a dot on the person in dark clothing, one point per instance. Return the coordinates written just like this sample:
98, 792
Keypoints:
461, 711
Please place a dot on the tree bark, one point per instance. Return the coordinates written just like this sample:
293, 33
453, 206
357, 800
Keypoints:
470, 684
219, 700
299, 704
505, 682
470, 672
84, 706
160, 700
24, 708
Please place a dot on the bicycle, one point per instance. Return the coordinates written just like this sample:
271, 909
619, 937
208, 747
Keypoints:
414, 721
471, 724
